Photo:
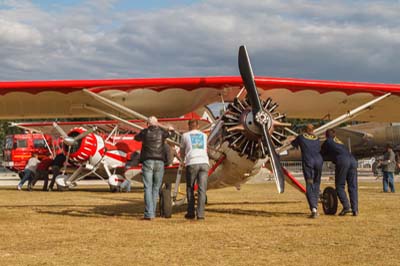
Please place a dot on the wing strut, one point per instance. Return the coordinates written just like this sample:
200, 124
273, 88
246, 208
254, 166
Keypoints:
341, 119
120, 108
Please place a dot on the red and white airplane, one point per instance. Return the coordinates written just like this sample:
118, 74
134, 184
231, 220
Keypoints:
99, 148
250, 133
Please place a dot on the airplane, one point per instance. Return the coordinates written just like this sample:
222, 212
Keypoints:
251, 131
97, 148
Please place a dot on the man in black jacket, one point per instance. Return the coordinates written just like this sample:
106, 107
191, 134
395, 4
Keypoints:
152, 159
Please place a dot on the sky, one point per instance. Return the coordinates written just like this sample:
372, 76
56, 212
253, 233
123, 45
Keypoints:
103, 39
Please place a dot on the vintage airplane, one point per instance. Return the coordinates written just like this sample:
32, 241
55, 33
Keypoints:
250, 132
98, 148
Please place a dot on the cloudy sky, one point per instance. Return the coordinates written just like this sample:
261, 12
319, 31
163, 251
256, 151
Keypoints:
335, 40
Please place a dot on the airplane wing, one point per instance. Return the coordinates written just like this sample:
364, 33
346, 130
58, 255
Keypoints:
173, 97
104, 126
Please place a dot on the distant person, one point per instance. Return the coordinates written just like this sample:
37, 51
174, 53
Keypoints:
30, 170
42, 172
56, 166
345, 172
388, 167
312, 166
194, 152
152, 159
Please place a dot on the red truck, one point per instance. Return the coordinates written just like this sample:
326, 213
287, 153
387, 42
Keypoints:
18, 148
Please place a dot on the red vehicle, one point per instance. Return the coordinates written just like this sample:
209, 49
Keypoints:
18, 148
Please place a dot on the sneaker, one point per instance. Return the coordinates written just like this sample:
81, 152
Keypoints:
147, 219
200, 218
19, 188
344, 212
355, 213
314, 214
189, 216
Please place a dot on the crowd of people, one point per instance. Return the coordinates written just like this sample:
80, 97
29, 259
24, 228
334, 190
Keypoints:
37, 169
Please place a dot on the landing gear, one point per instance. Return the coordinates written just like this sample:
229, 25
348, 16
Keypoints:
166, 201
329, 201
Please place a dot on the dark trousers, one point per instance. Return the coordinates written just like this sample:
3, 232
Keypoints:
312, 174
199, 173
56, 171
41, 174
346, 172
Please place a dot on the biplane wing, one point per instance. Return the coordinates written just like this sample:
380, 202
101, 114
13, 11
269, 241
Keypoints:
173, 97
106, 126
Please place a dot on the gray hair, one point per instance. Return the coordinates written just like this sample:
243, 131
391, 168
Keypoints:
152, 121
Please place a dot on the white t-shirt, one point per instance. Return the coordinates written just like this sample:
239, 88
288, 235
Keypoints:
32, 164
194, 144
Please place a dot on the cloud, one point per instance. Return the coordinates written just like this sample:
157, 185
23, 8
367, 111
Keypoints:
357, 40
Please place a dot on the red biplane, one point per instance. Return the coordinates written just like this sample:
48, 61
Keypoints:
252, 130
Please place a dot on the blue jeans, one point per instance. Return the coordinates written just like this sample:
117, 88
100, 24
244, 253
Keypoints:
27, 175
199, 173
388, 180
153, 172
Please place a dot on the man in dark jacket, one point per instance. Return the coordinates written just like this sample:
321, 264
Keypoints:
152, 159
56, 166
345, 171
312, 165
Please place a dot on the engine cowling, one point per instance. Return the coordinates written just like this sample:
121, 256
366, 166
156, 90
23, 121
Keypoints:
84, 148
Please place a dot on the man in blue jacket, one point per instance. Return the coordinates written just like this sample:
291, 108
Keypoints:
312, 165
345, 171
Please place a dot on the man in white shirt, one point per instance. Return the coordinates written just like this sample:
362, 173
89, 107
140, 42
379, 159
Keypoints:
30, 170
194, 153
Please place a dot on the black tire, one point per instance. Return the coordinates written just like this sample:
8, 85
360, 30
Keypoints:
329, 201
166, 203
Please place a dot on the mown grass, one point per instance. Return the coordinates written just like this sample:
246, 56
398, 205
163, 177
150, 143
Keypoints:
254, 226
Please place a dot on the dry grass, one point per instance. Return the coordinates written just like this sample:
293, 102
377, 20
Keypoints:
254, 226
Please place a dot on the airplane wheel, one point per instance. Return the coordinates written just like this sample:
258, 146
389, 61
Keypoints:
329, 201
166, 202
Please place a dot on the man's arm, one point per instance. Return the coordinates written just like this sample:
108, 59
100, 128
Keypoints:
139, 137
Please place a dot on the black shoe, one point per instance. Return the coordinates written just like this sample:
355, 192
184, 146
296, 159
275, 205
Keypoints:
189, 216
344, 212
355, 213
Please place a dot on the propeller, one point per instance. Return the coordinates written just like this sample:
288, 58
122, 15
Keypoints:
261, 117
68, 140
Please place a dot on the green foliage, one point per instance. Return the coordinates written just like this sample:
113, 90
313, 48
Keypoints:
5, 130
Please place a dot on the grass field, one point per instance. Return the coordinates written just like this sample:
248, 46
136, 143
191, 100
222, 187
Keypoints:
254, 226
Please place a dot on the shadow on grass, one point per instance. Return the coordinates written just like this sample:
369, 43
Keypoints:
253, 203
133, 209
257, 213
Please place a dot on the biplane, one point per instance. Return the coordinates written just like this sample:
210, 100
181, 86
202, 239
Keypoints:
250, 133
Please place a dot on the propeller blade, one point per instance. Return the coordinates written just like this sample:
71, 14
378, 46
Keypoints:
60, 130
84, 134
246, 73
279, 176
66, 160
260, 116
